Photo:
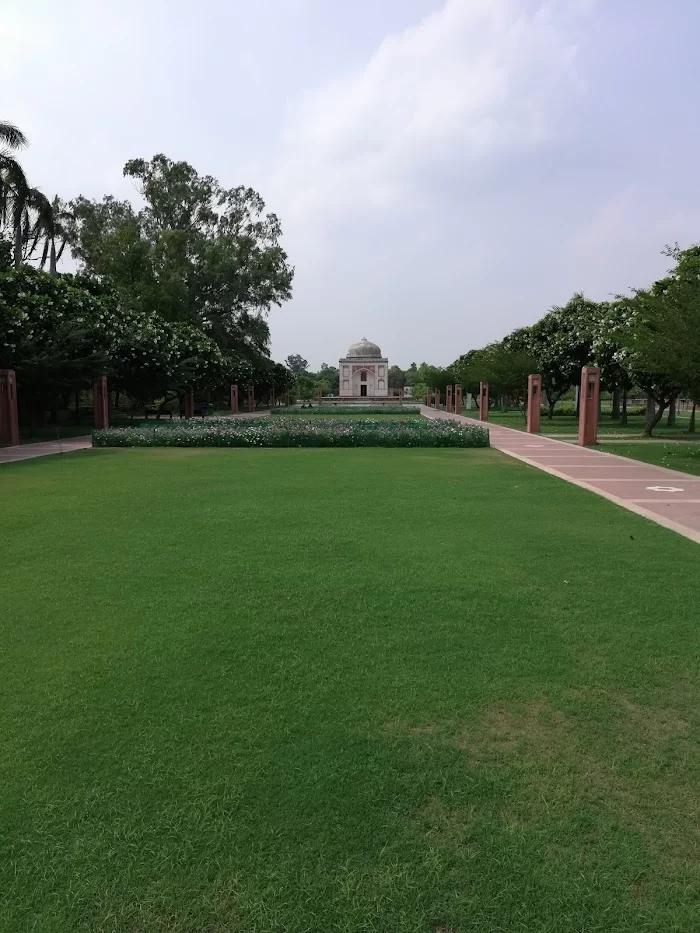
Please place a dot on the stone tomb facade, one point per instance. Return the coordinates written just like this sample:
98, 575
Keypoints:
364, 372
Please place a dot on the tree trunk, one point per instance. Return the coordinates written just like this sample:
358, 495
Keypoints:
671, 420
617, 396
651, 407
577, 400
691, 423
656, 417
18, 246
653, 421
623, 412
52, 260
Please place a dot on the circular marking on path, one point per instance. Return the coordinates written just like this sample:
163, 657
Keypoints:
665, 488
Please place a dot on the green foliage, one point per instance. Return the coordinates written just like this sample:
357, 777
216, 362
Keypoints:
59, 333
55, 333
397, 377
296, 432
505, 368
297, 364
195, 252
325, 410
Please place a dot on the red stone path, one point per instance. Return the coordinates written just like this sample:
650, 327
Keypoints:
43, 449
665, 496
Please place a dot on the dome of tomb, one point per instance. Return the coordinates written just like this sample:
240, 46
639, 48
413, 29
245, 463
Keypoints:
364, 349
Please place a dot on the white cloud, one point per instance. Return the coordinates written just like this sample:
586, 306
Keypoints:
478, 79
395, 180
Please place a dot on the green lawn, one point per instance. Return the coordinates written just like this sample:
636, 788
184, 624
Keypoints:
565, 424
342, 690
678, 456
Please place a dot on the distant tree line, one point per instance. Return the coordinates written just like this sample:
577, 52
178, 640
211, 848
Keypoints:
647, 340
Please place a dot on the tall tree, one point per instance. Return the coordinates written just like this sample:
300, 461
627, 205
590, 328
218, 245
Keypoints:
15, 192
663, 334
297, 363
195, 251
397, 377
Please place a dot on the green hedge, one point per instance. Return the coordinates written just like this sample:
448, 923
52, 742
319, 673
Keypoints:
568, 410
349, 410
297, 432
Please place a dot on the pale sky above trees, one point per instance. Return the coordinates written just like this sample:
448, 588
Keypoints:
444, 170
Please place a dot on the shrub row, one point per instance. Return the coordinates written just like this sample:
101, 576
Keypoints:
568, 410
297, 433
349, 410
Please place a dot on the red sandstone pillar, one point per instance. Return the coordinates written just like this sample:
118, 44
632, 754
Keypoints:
534, 403
189, 404
589, 406
483, 401
458, 400
272, 398
319, 398
9, 422
436, 399
448, 399
100, 396
234, 400
251, 398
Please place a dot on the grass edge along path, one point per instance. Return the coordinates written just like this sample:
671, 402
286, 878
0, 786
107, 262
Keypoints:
360, 690
675, 455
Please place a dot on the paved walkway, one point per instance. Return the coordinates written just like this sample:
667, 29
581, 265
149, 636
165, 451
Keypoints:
665, 496
43, 449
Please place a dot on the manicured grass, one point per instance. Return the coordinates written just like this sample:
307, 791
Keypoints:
684, 457
564, 424
342, 690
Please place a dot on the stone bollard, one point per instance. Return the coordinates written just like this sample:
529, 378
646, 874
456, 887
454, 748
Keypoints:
483, 401
9, 421
534, 403
458, 400
234, 400
100, 397
589, 406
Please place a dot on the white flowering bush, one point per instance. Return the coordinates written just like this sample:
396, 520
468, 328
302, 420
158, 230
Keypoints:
296, 432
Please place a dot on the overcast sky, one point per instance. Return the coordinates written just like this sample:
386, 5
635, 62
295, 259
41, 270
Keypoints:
444, 170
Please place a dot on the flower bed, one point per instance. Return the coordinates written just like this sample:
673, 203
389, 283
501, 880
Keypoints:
297, 432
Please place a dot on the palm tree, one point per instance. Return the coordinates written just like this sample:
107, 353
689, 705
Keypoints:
32, 218
11, 136
14, 188
50, 219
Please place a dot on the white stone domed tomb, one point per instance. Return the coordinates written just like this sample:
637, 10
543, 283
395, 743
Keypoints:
364, 372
